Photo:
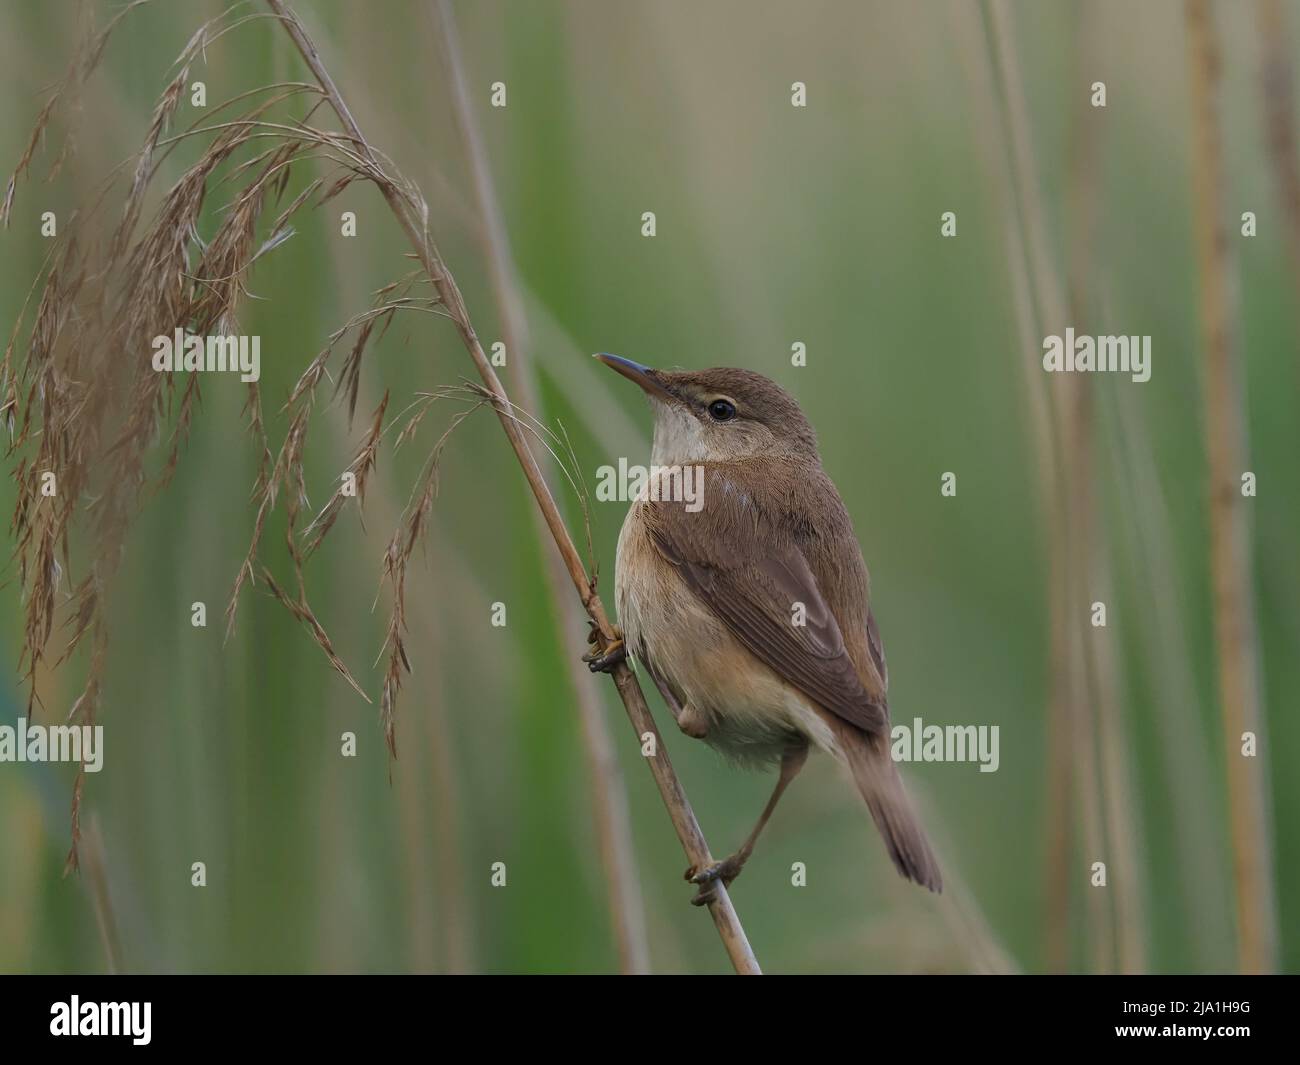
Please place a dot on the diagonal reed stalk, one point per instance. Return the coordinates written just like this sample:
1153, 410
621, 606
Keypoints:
414, 226
1230, 548
608, 797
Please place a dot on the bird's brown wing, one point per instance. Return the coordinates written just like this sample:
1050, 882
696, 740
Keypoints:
754, 585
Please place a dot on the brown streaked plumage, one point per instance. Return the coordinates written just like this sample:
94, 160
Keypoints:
752, 611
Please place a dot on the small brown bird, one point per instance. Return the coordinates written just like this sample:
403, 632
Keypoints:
748, 602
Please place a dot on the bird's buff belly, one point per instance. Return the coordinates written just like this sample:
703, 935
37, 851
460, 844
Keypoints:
751, 713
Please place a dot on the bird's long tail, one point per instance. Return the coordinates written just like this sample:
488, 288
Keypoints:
877, 779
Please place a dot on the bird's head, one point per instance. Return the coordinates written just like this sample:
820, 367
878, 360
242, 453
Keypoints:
718, 415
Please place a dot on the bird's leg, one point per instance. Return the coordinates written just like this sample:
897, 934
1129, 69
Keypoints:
605, 656
729, 868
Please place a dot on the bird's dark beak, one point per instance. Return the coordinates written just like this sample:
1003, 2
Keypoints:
650, 380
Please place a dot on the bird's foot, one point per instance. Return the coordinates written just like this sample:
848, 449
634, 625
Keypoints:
605, 655
707, 878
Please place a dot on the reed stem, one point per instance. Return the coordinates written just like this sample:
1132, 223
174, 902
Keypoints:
1230, 561
687, 827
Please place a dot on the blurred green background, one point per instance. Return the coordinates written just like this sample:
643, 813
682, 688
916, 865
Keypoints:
775, 225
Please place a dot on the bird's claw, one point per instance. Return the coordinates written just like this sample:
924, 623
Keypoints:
605, 656
726, 870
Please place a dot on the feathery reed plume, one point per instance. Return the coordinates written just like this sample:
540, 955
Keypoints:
608, 797
1230, 548
84, 424
398, 555
78, 432
89, 51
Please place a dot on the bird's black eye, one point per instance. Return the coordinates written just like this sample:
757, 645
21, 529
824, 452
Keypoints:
722, 410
